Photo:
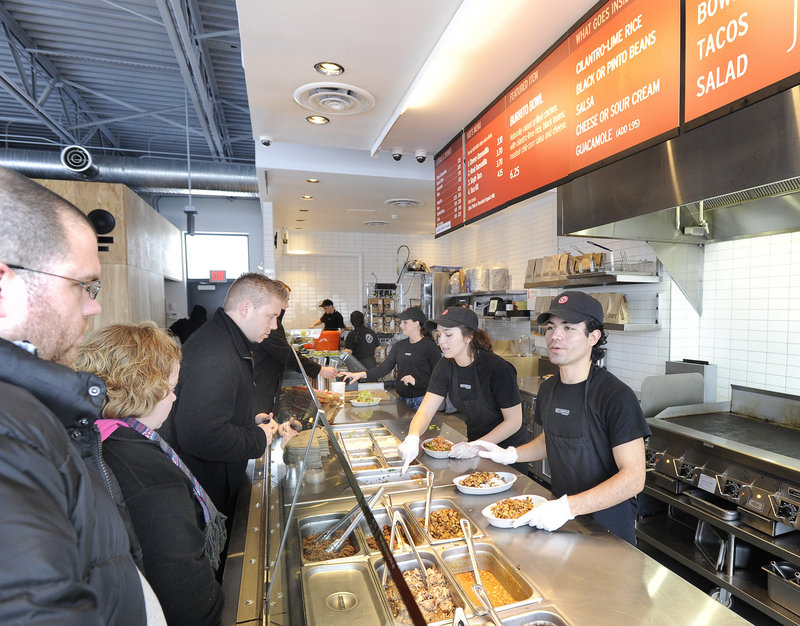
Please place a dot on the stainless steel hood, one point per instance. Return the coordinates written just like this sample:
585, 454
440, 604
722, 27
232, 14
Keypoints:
735, 177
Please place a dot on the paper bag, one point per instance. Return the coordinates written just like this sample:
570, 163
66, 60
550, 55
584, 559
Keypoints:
615, 307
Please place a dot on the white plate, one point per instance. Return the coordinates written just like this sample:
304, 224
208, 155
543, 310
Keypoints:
363, 404
480, 491
436, 454
501, 522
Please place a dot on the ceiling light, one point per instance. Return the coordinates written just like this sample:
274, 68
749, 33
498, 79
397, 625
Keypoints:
308, 197
312, 180
329, 68
375, 223
317, 119
299, 220
304, 210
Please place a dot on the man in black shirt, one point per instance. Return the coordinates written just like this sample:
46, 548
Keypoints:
594, 429
331, 318
361, 341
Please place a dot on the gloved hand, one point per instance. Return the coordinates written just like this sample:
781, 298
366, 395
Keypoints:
463, 450
489, 450
408, 450
551, 514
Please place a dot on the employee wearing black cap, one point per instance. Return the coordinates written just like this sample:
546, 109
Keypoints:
331, 318
361, 341
481, 385
415, 357
594, 429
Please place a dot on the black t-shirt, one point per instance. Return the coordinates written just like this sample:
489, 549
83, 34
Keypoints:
362, 341
418, 359
332, 321
579, 446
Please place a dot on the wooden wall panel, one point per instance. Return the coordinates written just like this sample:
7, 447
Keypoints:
113, 297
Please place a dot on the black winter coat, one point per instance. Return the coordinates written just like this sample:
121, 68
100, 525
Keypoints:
212, 423
169, 522
65, 552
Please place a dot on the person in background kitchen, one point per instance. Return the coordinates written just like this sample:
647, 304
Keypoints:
185, 326
180, 530
66, 555
212, 425
415, 357
361, 341
594, 429
270, 359
480, 384
331, 318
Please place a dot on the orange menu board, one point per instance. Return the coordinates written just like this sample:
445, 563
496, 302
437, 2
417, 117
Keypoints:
485, 162
734, 48
626, 78
449, 168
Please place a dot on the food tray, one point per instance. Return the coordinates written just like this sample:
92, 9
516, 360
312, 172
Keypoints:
712, 505
784, 592
316, 524
457, 561
417, 511
414, 476
382, 518
543, 616
334, 590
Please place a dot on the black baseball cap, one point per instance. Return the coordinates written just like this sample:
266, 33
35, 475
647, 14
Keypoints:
415, 314
573, 307
326, 302
454, 316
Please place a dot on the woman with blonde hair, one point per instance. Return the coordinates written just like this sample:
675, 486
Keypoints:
180, 531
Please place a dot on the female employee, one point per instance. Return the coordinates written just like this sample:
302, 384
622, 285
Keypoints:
415, 357
481, 385
361, 341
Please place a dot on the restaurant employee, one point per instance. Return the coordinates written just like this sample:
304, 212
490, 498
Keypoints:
594, 429
481, 385
331, 318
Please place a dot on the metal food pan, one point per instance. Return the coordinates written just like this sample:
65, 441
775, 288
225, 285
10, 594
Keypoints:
379, 431
346, 428
382, 518
414, 476
362, 463
407, 561
457, 561
784, 592
544, 616
356, 443
341, 592
317, 524
417, 511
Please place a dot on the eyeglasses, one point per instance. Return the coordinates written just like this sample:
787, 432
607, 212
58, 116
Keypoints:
92, 288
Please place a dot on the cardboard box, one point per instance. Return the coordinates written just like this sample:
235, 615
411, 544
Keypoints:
388, 306
377, 324
375, 306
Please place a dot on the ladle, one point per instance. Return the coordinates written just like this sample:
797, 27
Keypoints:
398, 519
429, 479
336, 545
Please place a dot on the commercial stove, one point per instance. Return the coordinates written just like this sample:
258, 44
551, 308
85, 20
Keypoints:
746, 452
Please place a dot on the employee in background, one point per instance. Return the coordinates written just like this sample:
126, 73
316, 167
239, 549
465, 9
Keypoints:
331, 318
415, 358
361, 341
594, 429
185, 326
480, 384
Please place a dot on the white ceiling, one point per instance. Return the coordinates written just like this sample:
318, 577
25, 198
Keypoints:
382, 46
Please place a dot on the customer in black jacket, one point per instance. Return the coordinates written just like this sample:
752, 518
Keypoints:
181, 532
212, 425
184, 327
65, 552
361, 341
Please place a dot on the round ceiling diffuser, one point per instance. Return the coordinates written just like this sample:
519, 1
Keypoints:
376, 223
334, 99
403, 203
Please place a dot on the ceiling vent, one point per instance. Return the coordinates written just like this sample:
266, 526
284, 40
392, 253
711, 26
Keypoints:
334, 99
376, 223
403, 203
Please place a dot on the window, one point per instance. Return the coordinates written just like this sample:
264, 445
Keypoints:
207, 251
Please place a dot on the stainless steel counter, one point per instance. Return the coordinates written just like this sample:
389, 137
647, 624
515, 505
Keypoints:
587, 574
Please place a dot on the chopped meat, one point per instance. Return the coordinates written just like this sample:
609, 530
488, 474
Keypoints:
445, 524
483, 479
434, 600
399, 537
512, 508
315, 551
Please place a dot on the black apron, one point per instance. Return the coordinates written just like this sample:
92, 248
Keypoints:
572, 459
480, 416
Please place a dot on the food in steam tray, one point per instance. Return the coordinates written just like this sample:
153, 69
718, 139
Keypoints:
434, 601
314, 550
512, 508
399, 538
483, 479
438, 444
498, 595
444, 524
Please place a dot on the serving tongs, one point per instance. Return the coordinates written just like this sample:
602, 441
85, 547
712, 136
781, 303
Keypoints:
428, 493
477, 588
328, 534
398, 519
387, 504
483, 598
377, 451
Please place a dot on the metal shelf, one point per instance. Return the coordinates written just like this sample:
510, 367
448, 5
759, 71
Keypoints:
506, 292
596, 279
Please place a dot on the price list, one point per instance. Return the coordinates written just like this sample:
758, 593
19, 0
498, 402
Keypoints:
449, 177
734, 49
486, 162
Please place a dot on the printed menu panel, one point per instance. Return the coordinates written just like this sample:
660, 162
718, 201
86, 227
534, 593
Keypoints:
735, 48
485, 162
449, 178
626, 78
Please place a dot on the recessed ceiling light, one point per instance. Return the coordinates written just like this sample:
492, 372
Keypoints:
329, 68
308, 197
312, 180
303, 210
317, 119
298, 228
299, 220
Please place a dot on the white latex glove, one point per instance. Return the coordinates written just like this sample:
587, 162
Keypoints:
409, 450
551, 514
489, 450
463, 450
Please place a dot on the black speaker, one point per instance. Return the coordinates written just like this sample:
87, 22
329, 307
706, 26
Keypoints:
103, 221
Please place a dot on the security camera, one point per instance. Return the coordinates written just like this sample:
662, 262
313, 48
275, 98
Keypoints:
421, 155
397, 154
265, 141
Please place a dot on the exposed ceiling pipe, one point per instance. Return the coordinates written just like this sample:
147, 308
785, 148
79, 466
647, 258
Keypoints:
138, 173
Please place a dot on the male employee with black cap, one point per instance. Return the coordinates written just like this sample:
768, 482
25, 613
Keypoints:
481, 385
594, 429
331, 318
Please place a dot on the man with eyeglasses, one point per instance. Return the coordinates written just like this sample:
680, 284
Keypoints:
66, 552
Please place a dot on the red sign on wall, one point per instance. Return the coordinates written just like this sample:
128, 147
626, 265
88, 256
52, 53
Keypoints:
218, 276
